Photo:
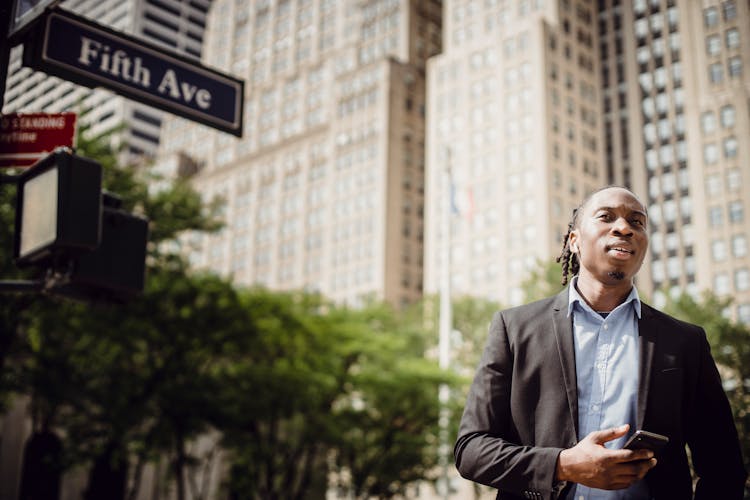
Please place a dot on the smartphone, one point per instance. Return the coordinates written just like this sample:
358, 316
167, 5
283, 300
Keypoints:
644, 440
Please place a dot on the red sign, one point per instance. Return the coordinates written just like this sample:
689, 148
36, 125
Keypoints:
28, 137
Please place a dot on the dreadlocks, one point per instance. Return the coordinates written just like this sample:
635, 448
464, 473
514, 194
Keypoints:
568, 259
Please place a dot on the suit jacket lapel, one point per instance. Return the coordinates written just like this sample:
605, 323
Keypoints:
647, 332
563, 327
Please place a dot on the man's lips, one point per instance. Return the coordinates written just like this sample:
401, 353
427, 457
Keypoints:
620, 249
621, 252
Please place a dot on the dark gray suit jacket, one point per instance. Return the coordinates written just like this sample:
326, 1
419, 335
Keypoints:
522, 408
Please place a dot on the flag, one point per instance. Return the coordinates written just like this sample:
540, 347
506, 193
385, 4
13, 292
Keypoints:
462, 201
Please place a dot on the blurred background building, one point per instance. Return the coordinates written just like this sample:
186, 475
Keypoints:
533, 104
675, 82
338, 184
173, 24
325, 190
515, 114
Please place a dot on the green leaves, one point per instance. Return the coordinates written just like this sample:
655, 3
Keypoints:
729, 347
325, 381
293, 384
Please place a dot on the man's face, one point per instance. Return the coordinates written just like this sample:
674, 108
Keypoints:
611, 237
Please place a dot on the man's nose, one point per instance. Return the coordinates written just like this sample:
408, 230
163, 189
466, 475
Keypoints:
622, 227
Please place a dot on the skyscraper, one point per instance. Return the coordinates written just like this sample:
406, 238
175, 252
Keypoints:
676, 85
534, 103
325, 189
172, 24
515, 114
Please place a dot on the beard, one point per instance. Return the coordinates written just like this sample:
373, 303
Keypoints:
618, 275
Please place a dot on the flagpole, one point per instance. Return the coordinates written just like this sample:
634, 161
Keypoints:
446, 320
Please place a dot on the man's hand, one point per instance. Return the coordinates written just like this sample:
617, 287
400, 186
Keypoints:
591, 464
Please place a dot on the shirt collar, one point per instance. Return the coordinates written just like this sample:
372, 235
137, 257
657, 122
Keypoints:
574, 296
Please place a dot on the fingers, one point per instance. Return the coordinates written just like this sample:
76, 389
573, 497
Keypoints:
605, 435
638, 455
633, 471
625, 475
591, 464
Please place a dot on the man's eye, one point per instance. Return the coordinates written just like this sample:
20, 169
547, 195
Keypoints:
638, 222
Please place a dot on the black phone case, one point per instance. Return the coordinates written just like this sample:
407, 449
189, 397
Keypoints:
646, 440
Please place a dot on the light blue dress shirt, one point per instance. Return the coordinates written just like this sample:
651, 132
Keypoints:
607, 360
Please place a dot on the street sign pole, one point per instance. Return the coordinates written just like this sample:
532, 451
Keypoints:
5, 13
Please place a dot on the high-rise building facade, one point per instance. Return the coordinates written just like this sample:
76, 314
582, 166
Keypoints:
173, 24
514, 113
535, 103
325, 189
676, 86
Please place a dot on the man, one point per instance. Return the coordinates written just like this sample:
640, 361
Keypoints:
564, 381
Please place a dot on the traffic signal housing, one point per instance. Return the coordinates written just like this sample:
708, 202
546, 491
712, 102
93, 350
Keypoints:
58, 209
89, 247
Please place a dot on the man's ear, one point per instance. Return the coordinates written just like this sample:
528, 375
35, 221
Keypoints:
573, 241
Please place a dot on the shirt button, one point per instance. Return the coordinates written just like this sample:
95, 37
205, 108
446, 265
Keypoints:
606, 326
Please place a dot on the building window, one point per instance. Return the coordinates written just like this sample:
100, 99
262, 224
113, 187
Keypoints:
666, 155
662, 103
715, 216
674, 268
713, 185
733, 38
708, 122
713, 45
736, 212
721, 284
743, 313
686, 209
670, 214
734, 180
657, 271
656, 24
730, 10
742, 280
710, 17
739, 245
728, 116
716, 73
710, 153
673, 18
730, 147
718, 250
735, 67
681, 151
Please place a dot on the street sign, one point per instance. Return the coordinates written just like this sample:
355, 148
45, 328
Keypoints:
84, 52
28, 137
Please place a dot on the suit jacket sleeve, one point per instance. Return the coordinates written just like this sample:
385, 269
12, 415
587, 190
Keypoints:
487, 449
712, 436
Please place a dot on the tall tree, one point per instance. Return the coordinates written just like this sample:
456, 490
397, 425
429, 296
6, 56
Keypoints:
542, 281
110, 376
329, 383
471, 318
12, 305
730, 346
